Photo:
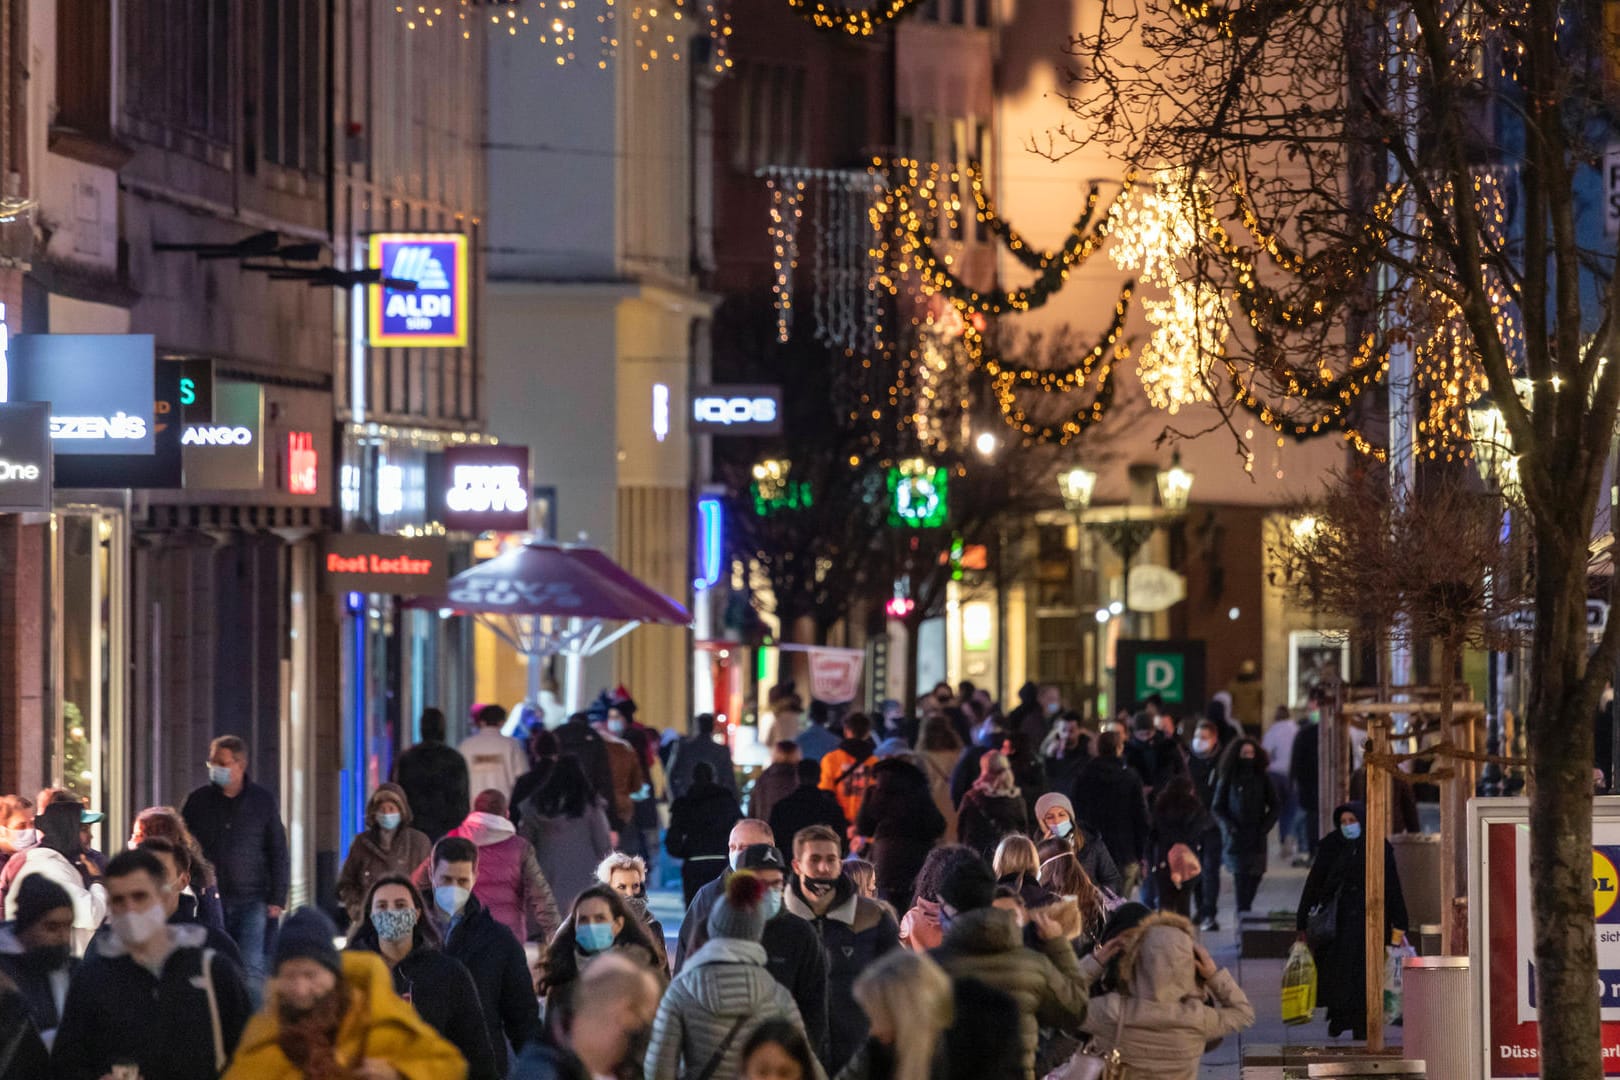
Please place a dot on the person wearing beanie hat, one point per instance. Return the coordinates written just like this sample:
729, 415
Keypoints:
1054, 816
723, 991
986, 943
330, 1014
36, 951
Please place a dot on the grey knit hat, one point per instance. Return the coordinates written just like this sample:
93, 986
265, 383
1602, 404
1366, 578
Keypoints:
740, 912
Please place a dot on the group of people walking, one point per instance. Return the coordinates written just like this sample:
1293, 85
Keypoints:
950, 893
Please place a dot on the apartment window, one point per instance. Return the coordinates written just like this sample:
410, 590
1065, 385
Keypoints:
84, 66
292, 46
178, 64
770, 120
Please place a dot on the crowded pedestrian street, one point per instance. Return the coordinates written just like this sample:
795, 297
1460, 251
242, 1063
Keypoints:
809, 539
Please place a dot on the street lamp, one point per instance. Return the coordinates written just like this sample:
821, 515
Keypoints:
1076, 486
1175, 486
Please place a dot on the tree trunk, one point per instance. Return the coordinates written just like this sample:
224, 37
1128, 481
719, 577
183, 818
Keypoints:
1560, 746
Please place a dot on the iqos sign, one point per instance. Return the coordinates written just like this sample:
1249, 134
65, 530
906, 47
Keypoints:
737, 410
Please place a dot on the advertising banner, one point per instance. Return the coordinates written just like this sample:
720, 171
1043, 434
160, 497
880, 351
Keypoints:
435, 313
100, 388
1502, 937
835, 674
25, 457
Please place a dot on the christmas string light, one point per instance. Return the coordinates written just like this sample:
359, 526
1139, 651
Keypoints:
787, 209
650, 32
1027, 254
853, 21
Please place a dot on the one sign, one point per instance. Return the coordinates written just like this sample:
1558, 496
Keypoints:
1611, 191
436, 312
227, 453
397, 565
1155, 588
25, 456
100, 387
484, 489
303, 474
1501, 938
1172, 669
737, 410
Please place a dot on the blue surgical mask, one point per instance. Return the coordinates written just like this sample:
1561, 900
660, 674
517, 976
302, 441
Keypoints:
219, 775
772, 903
593, 937
394, 924
389, 822
1351, 830
451, 898
1063, 828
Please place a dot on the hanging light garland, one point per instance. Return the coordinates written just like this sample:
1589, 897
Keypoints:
787, 210
1026, 253
645, 33
856, 22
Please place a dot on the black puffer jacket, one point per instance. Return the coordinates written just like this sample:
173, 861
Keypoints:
442, 991
855, 932
500, 973
434, 776
244, 839
900, 816
1107, 796
700, 821
1247, 804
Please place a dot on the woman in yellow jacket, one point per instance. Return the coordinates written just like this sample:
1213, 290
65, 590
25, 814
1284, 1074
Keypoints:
332, 1016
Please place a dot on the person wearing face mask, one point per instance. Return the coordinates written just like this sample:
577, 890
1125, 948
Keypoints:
511, 884
178, 904
331, 1014
388, 846
598, 1030
854, 932
1248, 804
193, 1003
494, 958
1054, 814
36, 952
627, 876
601, 923
396, 927
625, 769
55, 857
724, 988
17, 832
699, 821
1339, 877
1203, 761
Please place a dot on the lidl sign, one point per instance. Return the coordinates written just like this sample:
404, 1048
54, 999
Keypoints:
435, 314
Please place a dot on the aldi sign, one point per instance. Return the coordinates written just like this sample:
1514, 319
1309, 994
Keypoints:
434, 314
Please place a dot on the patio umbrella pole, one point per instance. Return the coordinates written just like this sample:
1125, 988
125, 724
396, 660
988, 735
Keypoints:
575, 669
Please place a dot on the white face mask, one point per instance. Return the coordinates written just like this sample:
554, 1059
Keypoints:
450, 898
136, 928
1202, 744
736, 860
23, 838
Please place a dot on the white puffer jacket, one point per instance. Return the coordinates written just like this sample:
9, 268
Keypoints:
89, 905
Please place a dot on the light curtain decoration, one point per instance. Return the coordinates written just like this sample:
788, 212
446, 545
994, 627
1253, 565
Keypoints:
639, 32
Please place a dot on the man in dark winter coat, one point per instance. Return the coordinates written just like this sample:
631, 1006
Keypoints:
808, 805
1202, 765
597, 1028
793, 953
494, 958
176, 862
36, 951
165, 969
1107, 796
699, 824
854, 932
1154, 752
696, 747
579, 738
23, 1055
900, 817
434, 776
238, 826
778, 781
1065, 752
1303, 771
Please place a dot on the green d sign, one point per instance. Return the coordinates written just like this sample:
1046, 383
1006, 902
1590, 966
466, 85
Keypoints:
1163, 674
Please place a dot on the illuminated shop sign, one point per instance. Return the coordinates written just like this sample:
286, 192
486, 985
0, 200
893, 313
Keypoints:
918, 494
395, 565
737, 410
227, 453
25, 456
303, 464
435, 313
485, 489
100, 388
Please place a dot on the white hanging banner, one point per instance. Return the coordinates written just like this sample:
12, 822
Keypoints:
835, 674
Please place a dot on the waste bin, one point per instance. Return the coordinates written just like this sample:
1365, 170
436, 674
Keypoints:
1437, 1005
1417, 860
1372, 1069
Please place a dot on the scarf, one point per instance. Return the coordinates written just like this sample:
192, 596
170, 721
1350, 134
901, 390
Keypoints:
309, 1039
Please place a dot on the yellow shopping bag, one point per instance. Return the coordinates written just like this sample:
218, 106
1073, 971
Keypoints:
1299, 986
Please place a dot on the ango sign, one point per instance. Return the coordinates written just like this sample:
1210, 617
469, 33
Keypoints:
737, 410
486, 489
396, 565
435, 313
100, 388
25, 457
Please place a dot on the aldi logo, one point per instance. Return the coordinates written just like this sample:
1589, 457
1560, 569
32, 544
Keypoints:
436, 312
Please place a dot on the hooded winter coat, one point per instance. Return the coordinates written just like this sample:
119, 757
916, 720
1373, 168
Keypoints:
568, 849
854, 932
52, 858
376, 853
900, 816
986, 818
847, 773
1166, 1018
1107, 796
987, 945
721, 994
378, 1023
511, 884
434, 777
